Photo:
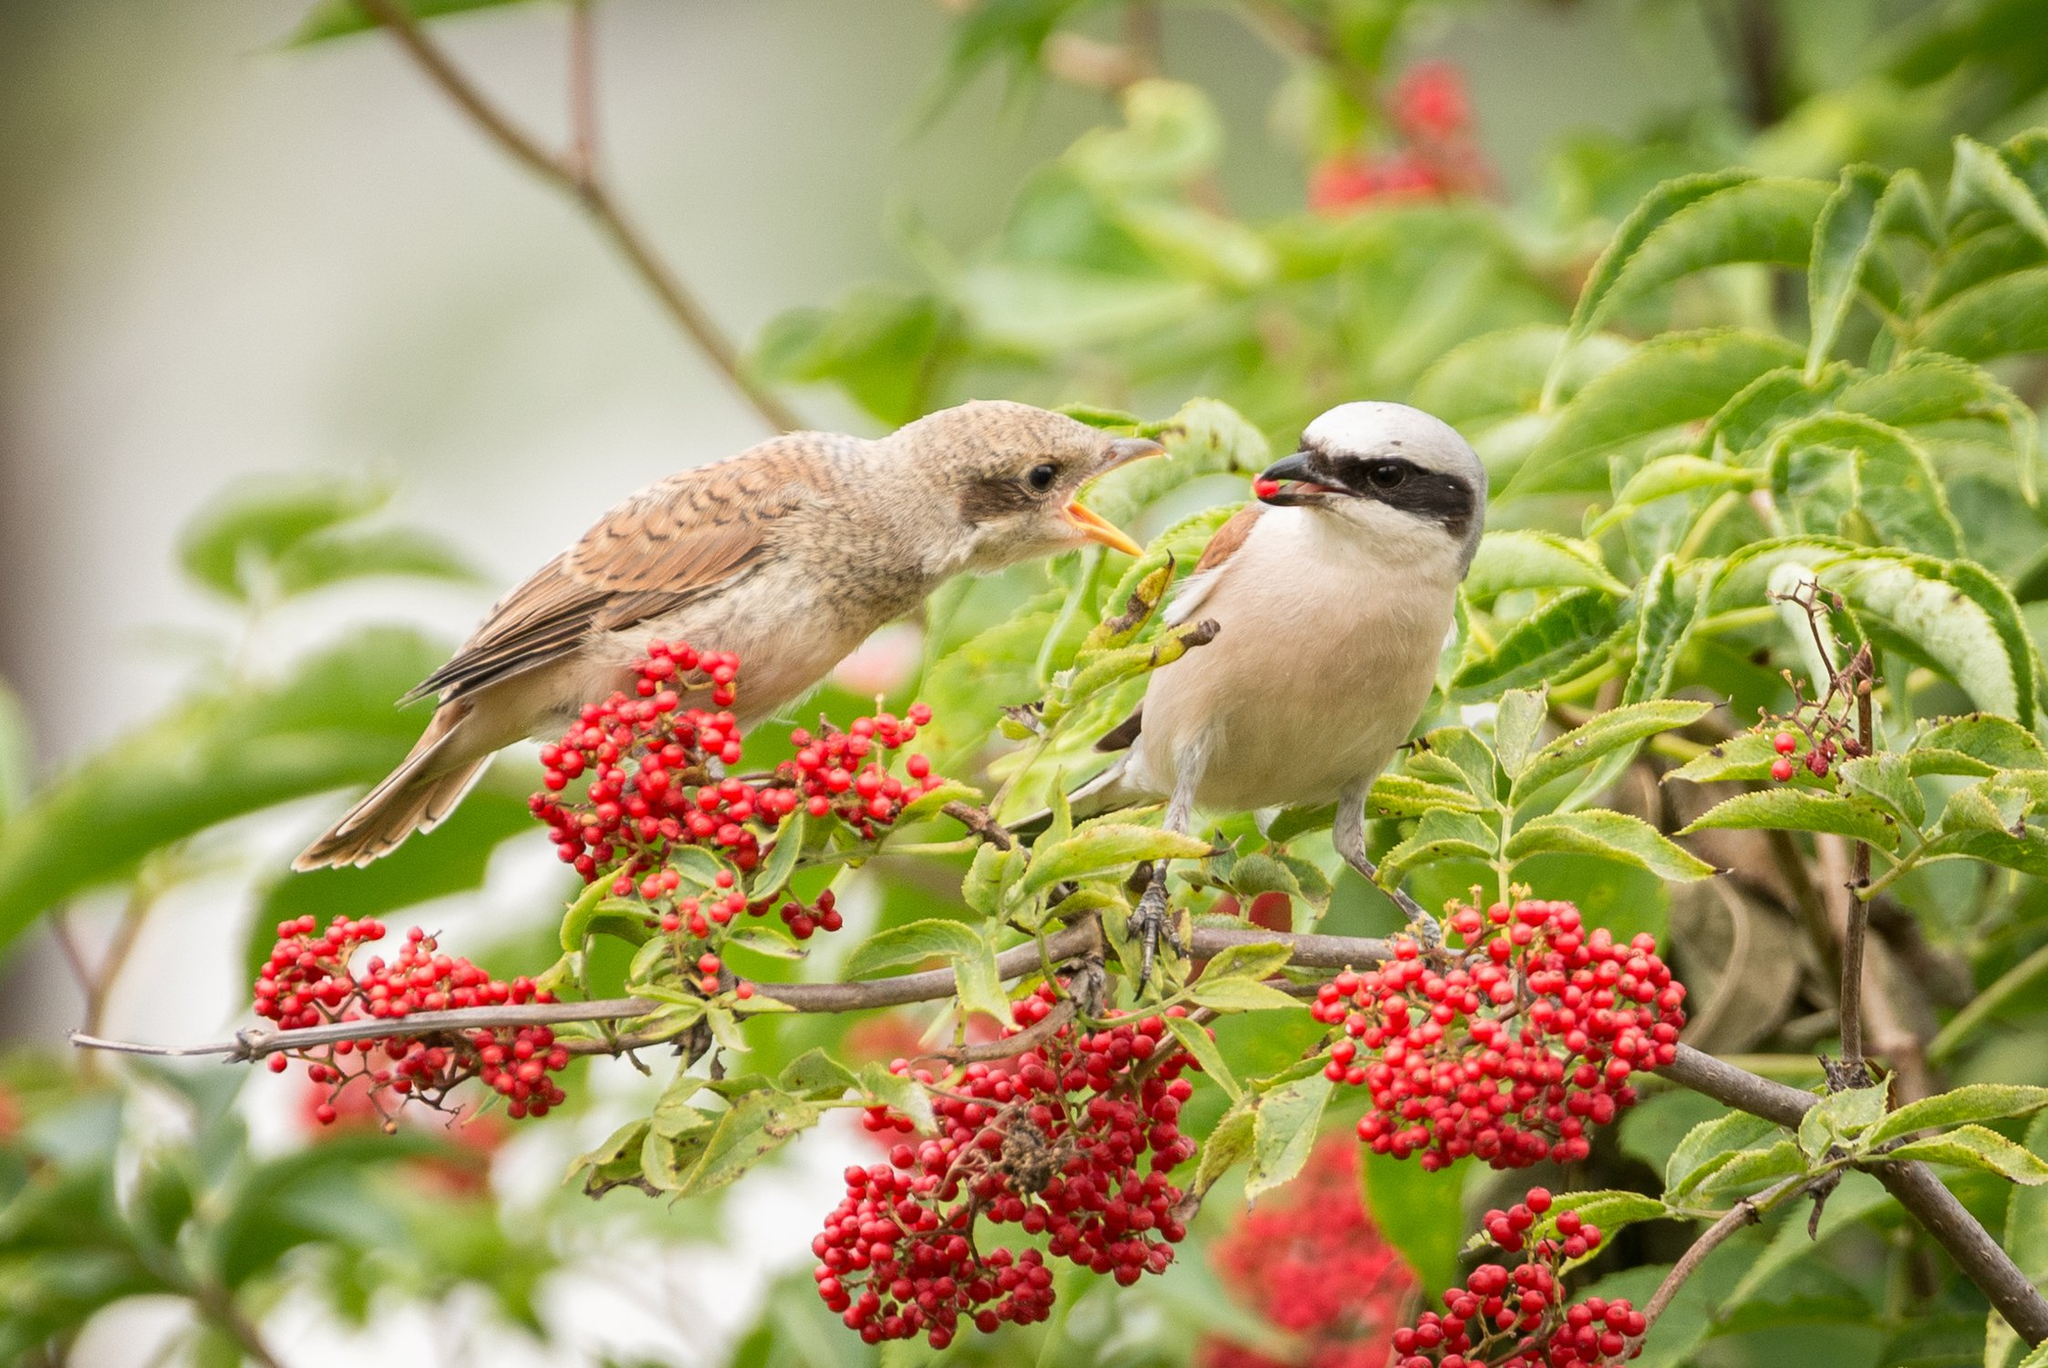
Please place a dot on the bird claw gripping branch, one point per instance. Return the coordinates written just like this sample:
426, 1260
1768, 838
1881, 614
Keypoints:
1512, 1052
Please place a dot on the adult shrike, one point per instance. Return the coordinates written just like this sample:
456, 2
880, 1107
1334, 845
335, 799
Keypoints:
1333, 596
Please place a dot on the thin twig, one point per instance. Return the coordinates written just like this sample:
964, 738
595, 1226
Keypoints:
582, 158
588, 189
1856, 931
1748, 1211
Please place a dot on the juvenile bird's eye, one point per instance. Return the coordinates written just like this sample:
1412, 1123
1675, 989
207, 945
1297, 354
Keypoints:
1042, 476
1386, 474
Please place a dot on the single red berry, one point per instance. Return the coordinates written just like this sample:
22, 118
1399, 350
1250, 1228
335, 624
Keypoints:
1781, 769
1785, 743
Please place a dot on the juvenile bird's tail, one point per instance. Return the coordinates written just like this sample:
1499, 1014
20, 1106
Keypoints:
414, 797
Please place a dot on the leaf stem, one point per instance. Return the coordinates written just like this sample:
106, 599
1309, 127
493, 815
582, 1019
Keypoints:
1746, 1212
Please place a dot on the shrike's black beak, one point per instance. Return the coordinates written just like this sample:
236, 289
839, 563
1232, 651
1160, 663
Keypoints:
1297, 483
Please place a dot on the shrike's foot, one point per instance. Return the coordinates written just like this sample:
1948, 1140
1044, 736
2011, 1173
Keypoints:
1428, 931
1151, 917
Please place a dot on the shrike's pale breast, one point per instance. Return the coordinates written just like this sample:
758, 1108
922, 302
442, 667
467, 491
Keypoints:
1328, 647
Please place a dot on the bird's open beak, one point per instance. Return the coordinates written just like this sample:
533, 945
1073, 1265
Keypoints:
1297, 483
1094, 526
1124, 450
1097, 528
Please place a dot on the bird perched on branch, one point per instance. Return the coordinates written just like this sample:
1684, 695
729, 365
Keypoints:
1332, 597
788, 554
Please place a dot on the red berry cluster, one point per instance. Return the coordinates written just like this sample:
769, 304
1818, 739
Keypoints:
651, 782
1511, 1051
1052, 1142
829, 770
1311, 1261
1437, 155
307, 982
1821, 752
654, 780
1516, 1318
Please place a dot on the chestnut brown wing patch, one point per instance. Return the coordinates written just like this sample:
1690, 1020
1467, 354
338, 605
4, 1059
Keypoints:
692, 534
1227, 538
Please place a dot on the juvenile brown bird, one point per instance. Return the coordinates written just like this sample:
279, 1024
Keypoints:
789, 554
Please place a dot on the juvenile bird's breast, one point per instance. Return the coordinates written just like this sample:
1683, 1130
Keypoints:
1327, 651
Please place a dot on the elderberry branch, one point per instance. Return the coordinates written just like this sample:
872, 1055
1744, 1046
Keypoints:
574, 175
1914, 1185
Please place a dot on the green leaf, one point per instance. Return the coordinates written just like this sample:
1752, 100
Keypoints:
1525, 559
1240, 995
1978, 1148
576, 922
881, 343
1826, 465
1404, 795
754, 1127
336, 555
1747, 756
1500, 375
1442, 834
1982, 177
1284, 1131
1516, 721
1106, 849
905, 1096
1197, 1041
1798, 809
1549, 644
1608, 1208
1980, 743
1257, 961
338, 18
328, 724
1229, 1144
614, 1163
1672, 379
1612, 730
1958, 1106
1456, 755
1953, 614
913, 943
1763, 219
773, 875
1886, 781
248, 532
1841, 1118
1651, 214
1710, 1146
2003, 316
1668, 477
1609, 836
816, 1075
1843, 239
1752, 1168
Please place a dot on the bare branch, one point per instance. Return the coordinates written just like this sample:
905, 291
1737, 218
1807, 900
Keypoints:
567, 173
1748, 1211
